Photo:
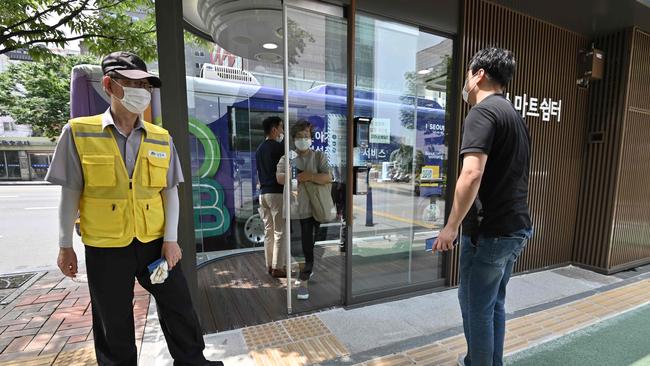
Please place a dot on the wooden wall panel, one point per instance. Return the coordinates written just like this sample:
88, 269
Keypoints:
640, 71
547, 67
631, 237
606, 117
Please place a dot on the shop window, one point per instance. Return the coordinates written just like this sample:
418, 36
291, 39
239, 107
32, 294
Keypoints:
39, 163
13, 164
3, 165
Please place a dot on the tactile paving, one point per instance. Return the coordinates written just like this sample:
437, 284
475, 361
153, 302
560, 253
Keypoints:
265, 335
298, 341
80, 357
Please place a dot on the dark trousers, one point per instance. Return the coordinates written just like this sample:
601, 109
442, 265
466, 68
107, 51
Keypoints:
308, 229
111, 275
338, 196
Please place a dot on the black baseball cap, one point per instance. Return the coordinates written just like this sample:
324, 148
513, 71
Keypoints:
129, 66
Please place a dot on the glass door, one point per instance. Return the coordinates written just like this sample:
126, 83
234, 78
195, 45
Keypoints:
315, 86
401, 87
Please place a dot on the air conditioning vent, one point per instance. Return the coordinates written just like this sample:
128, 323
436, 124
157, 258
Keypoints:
226, 73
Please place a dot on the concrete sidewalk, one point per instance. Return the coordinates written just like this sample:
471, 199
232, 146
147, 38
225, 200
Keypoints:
45, 320
383, 334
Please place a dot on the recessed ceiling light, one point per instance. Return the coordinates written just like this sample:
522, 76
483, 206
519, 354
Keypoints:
270, 46
242, 39
268, 57
424, 71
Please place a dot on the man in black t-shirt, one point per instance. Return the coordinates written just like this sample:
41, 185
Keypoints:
267, 156
491, 200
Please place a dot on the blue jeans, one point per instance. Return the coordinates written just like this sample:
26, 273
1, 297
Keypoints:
485, 268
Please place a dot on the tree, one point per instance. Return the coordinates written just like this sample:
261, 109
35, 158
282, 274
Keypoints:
298, 38
38, 93
103, 25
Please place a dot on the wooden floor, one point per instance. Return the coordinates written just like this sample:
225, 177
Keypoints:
236, 291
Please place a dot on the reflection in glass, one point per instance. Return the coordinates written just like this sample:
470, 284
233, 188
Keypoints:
316, 95
401, 83
240, 86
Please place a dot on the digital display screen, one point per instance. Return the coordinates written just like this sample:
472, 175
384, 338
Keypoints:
363, 134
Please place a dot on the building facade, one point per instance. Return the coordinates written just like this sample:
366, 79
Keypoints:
25, 158
400, 67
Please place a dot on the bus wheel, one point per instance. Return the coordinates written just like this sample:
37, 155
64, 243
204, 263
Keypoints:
253, 231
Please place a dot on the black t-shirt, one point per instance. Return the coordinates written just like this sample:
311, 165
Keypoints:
267, 156
495, 128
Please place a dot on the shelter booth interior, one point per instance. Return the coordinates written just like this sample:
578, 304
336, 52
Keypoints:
375, 243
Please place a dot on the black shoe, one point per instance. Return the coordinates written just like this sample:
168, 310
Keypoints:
279, 273
214, 363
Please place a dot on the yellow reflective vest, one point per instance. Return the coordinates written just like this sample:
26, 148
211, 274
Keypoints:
113, 208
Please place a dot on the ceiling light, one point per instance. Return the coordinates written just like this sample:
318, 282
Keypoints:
270, 46
424, 71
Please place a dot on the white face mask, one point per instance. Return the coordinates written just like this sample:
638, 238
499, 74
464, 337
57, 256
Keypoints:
135, 100
280, 138
303, 144
465, 91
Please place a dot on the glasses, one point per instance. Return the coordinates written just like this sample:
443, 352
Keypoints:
128, 83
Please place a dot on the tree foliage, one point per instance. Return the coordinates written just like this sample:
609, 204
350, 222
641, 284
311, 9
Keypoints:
103, 25
38, 93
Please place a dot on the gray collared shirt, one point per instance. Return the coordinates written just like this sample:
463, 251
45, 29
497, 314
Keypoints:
65, 169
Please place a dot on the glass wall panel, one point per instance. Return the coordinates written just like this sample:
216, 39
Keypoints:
317, 77
228, 100
233, 85
401, 86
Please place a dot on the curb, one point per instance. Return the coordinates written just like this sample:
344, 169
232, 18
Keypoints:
25, 183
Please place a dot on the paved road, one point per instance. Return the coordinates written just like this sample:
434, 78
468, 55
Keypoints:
29, 228
29, 223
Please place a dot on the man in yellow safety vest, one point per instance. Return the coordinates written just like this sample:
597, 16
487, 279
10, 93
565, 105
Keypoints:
121, 174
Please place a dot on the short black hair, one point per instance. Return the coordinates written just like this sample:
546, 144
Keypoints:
499, 64
301, 125
270, 123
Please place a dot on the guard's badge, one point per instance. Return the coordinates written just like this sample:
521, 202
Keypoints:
158, 154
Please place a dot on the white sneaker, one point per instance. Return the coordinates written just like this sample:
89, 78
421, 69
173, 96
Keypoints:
461, 360
298, 282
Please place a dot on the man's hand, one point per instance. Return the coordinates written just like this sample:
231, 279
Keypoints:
305, 177
67, 262
172, 253
446, 239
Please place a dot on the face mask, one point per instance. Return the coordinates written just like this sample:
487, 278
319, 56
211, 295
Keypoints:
280, 138
303, 144
465, 91
135, 100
